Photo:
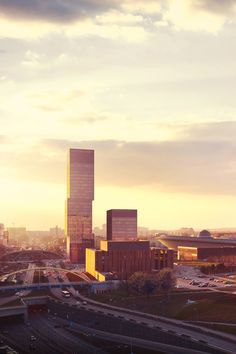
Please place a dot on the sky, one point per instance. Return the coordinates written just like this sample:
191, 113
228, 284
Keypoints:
148, 84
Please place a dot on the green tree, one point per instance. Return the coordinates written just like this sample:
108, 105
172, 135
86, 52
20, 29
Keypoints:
167, 280
149, 283
144, 283
135, 282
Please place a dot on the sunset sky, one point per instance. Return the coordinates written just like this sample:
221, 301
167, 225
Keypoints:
149, 85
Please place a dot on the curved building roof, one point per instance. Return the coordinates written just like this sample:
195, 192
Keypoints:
204, 233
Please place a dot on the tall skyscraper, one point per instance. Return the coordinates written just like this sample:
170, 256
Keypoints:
122, 224
80, 196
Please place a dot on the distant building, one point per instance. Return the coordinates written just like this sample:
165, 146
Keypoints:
18, 234
5, 238
1, 233
122, 225
143, 232
120, 259
203, 240
205, 234
80, 195
223, 254
184, 231
97, 240
56, 232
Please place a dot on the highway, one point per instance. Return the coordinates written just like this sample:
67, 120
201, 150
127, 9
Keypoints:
115, 321
50, 339
28, 279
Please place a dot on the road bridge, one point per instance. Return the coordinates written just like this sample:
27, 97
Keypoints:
41, 286
48, 268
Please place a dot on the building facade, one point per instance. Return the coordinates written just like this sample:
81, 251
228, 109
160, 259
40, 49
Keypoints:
80, 196
118, 260
122, 225
225, 255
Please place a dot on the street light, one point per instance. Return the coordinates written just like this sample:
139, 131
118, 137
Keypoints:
131, 346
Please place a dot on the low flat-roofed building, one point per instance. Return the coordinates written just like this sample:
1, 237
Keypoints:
214, 254
120, 259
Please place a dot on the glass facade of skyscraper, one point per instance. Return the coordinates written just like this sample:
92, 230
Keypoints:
80, 195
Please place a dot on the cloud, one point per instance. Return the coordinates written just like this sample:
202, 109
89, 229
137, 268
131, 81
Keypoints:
214, 131
125, 20
88, 118
215, 6
3, 139
186, 15
196, 163
53, 10
142, 6
200, 161
55, 100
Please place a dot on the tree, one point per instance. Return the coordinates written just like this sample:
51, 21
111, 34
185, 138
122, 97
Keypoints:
135, 282
143, 283
149, 283
167, 280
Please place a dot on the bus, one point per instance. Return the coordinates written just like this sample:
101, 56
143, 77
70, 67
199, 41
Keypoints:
65, 293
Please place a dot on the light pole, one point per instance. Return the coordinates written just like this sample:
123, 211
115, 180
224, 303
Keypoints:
131, 346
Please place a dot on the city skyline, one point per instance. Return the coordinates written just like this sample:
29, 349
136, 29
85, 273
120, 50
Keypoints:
147, 84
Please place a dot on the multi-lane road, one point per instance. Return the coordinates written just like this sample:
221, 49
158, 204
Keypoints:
44, 335
27, 280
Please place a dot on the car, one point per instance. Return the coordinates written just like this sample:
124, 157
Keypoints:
205, 285
78, 302
212, 285
85, 303
32, 338
194, 282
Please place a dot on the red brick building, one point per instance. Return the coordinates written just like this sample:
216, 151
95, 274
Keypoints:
120, 259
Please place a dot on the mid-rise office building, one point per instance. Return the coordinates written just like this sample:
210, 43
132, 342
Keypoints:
120, 259
80, 196
122, 224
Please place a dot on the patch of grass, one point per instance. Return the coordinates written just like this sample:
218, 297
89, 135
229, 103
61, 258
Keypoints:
207, 306
216, 307
16, 302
